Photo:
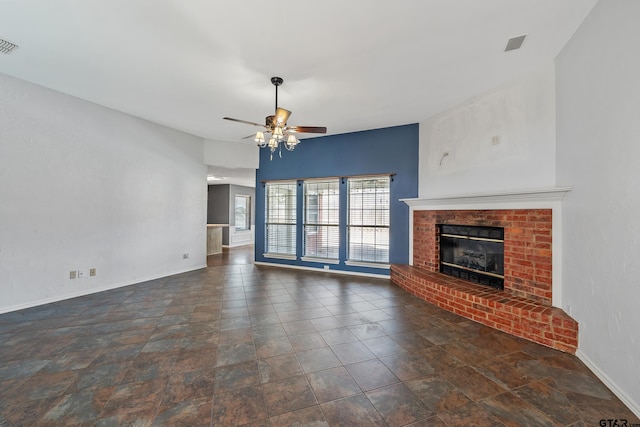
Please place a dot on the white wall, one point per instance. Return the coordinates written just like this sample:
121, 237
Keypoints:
598, 108
231, 154
520, 114
82, 186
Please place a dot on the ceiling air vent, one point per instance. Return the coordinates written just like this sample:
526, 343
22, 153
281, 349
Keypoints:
7, 47
515, 43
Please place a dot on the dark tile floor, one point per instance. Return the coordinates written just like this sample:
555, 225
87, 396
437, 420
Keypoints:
236, 344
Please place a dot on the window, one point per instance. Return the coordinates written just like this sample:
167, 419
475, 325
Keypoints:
368, 219
321, 219
280, 226
242, 212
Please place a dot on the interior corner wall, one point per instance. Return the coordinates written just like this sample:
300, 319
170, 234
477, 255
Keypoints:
499, 141
379, 151
598, 105
83, 186
218, 204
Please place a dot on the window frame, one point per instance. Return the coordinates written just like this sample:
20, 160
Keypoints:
325, 218
284, 218
381, 222
247, 220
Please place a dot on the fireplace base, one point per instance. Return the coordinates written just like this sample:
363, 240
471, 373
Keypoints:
515, 315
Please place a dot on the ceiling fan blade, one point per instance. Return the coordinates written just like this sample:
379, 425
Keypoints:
307, 129
243, 121
281, 116
253, 135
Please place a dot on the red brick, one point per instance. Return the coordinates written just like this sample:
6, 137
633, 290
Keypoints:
521, 317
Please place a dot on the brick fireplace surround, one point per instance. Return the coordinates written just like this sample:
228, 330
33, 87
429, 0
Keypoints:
524, 308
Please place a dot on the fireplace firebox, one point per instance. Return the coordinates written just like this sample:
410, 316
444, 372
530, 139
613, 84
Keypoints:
473, 253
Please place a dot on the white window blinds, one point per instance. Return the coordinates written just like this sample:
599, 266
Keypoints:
322, 219
280, 230
368, 219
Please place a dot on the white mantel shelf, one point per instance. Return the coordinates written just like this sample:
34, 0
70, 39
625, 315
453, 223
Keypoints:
541, 198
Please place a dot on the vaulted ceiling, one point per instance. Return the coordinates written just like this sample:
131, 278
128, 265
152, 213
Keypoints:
348, 65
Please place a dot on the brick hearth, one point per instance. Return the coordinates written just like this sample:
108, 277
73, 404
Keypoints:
524, 307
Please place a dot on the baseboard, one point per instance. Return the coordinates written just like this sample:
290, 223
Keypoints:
633, 406
322, 270
57, 298
238, 245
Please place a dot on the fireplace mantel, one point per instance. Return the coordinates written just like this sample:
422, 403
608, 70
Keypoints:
543, 198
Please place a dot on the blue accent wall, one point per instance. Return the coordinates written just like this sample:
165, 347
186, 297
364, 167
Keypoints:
380, 151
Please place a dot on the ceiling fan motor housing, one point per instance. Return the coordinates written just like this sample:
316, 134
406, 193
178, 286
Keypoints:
269, 122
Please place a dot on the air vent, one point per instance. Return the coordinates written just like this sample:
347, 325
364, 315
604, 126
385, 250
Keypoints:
515, 43
7, 47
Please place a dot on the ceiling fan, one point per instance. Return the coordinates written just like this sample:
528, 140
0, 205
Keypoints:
276, 125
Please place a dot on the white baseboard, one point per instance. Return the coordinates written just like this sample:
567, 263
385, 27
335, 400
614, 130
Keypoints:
57, 298
237, 245
633, 406
322, 270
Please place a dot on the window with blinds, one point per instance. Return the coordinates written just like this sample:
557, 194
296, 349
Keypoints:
321, 219
368, 219
242, 212
280, 224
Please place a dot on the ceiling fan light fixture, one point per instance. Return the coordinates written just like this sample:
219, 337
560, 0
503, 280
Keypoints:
273, 143
259, 137
292, 141
277, 133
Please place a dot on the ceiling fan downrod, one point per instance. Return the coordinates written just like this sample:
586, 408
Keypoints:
277, 81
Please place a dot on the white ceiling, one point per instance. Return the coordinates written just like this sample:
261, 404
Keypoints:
349, 65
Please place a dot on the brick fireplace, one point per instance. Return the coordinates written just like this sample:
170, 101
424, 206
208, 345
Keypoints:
527, 245
528, 306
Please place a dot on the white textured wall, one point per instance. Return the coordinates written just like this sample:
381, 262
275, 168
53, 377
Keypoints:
83, 186
521, 114
598, 106
232, 154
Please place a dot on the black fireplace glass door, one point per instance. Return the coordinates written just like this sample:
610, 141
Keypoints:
483, 256
473, 253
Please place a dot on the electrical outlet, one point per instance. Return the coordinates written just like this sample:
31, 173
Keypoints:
72, 274
495, 140
92, 272
80, 274
185, 255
